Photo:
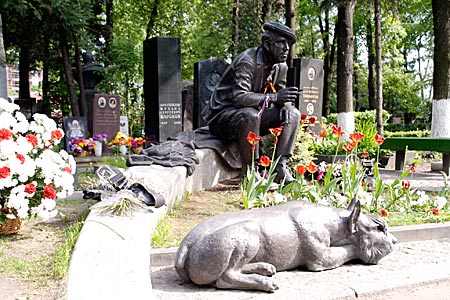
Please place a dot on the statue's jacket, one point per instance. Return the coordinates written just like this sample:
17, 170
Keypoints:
244, 80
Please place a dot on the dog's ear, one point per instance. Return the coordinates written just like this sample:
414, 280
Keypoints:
355, 211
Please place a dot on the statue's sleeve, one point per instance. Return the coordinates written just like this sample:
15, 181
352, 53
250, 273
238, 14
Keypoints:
243, 94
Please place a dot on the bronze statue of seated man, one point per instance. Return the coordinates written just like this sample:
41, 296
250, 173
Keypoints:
252, 96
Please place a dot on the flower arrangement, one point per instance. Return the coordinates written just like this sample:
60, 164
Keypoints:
136, 142
78, 145
100, 137
33, 172
119, 139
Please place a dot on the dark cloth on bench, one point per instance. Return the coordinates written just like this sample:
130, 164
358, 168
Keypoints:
180, 151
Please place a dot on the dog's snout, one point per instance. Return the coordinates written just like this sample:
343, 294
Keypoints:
394, 239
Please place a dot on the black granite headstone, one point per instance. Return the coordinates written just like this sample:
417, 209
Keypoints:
309, 79
106, 116
162, 92
27, 106
206, 76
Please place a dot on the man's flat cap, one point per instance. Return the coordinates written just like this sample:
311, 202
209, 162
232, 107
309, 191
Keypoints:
280, 29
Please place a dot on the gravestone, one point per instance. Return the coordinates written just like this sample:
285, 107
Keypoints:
75, 127
187, 98
27, 106
106, 116
206, 77
308, 77
124, 125
162, 92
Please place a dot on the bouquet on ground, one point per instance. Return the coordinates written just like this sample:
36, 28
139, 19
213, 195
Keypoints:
33, 171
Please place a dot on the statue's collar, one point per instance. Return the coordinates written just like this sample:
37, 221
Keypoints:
262, 61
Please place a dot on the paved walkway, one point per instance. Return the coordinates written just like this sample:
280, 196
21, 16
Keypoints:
414, 267
411, 264
428, 181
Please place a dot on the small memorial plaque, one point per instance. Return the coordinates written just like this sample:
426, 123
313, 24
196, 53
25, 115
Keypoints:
124, 125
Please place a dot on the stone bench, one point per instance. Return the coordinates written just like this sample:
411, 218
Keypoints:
402, 144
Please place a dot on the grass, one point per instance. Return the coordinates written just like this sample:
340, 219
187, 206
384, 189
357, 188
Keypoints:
64, 251
35, 270
160, 237
413, 218
43, 269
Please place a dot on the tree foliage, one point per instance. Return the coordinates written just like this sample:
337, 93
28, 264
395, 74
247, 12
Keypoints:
33, 31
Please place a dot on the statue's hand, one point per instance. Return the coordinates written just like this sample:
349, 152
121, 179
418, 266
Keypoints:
288, 94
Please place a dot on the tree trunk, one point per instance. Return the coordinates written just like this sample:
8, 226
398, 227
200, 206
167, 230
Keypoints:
235, 35
379, 68
24, 72
3, 80
290, 22
45, 103
370, 65
329, 49
109, 7
64, 48
345, 48
266, 11
151, 21
83, 104
328, 76
356, 91
440, 122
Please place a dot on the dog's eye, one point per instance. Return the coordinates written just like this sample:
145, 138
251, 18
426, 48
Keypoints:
380, 225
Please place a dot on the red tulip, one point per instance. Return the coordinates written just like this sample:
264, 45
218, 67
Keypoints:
337, 130
379, 139
276, 131
312, 168
264, 161
301, 169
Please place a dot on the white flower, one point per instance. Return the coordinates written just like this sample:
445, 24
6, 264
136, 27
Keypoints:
278, 198
27, 166
422, 199
7, 106
440, 202
365, 198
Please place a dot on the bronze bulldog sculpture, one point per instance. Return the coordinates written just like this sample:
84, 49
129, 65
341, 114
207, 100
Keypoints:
242, 249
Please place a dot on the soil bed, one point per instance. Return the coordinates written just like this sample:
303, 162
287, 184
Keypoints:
27, 258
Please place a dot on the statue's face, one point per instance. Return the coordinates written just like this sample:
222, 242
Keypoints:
279, 48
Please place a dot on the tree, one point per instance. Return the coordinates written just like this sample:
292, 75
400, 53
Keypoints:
3, 79
329, 48
290, 22
345, 49
440, 124
378, 67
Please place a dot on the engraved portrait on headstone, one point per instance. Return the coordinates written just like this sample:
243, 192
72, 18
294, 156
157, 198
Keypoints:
74, 127
106, 116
